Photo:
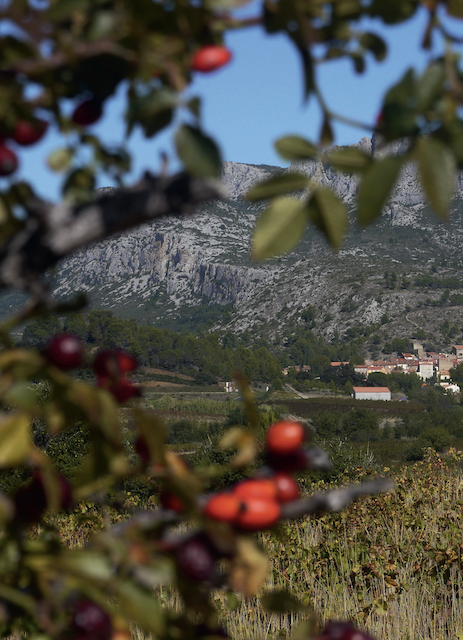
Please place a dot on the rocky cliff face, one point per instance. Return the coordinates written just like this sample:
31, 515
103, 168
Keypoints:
162, 269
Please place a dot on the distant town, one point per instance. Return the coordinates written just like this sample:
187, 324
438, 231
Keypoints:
426, 364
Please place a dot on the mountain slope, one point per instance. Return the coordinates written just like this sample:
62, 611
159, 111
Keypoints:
158, 272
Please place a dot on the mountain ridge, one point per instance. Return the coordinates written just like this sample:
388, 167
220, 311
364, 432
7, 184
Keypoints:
158, 271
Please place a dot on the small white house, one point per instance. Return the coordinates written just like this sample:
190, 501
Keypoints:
371, 393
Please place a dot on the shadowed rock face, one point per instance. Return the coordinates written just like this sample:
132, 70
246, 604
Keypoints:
160, 269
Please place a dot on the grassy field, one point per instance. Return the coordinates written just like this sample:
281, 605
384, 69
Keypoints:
391, 563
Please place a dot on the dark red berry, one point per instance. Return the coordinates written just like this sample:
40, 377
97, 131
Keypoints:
204, 632
141, 447
287, 487
210, 58
122, 389
293, 462
113, 363
87, 112
343, 630
196, 560
26, 133
170, 502
89, 620
31, 500
8, 161
65, 352
284, 437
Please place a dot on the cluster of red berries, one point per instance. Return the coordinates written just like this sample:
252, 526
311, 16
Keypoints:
110, 365
255, 504
27, 133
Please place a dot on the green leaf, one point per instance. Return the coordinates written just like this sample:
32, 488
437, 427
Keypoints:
393, 11
437, 170
15, 440
307, 66
233, 602
359, 62
375, 188
81, 179
153, 112
141, 607
281, 602
349, 160
198, 152
60, 159
328, 214
455, 8
279, 228
278, 185
194, 105
62, 9
326, 132
295, 148
430, 86
375, 44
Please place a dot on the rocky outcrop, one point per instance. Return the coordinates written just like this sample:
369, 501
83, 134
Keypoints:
161, 269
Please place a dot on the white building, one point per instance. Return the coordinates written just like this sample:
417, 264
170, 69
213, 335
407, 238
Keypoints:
371, 393
425, 369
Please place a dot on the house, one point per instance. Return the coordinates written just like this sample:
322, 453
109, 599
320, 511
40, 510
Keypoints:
229, 387
425, 369
371, 393
453, 388
457, 349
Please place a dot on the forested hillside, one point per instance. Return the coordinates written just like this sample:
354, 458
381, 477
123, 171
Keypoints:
205, 356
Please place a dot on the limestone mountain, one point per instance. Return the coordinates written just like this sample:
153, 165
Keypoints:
176, 272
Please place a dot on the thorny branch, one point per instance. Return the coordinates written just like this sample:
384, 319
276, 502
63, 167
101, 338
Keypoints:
333, 500
52, 232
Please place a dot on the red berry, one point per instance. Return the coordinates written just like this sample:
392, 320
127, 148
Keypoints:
223, 507
141, 447
284, 437
8, 161
113, 362
210, 58
26, 133
343, 630
122, 389
196, 560
90, 621
87, 112
65, 352
287, 487
31, 500
296, 461
170, 502
264, 488
257, 514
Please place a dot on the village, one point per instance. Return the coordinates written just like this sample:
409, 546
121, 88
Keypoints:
426, 364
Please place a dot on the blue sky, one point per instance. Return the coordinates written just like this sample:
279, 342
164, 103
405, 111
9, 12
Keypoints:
256, 99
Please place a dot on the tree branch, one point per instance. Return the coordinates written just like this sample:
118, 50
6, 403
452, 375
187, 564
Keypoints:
335, 500
54, 231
